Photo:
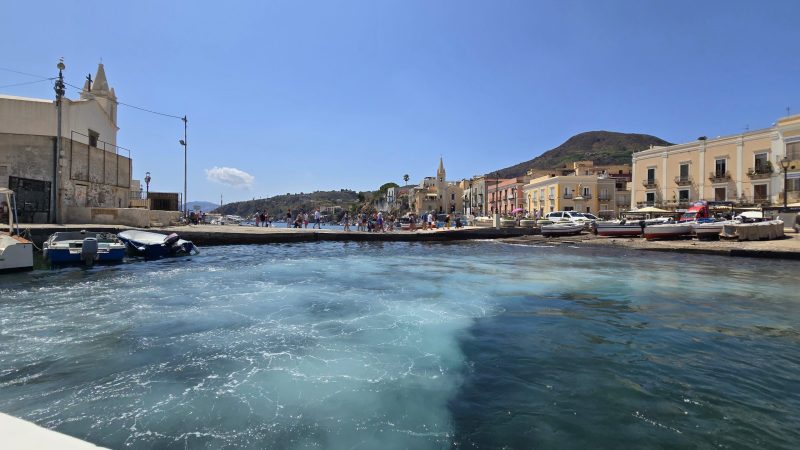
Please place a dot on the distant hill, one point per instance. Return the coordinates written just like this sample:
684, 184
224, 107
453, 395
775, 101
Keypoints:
204, 206
276, 206
602, 147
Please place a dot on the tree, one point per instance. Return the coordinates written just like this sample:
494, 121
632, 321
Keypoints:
386, 186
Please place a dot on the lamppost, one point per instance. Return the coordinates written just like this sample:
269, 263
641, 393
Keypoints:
785, 166
147, 183
184, 143
59, 88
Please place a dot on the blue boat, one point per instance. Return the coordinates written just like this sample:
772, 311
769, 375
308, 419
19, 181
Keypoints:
156, 245
87, 247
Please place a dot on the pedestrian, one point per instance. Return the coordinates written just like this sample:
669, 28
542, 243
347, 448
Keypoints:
447, 221
317, 223
305, 220
258, 219
288, 217
379, 221
346, 221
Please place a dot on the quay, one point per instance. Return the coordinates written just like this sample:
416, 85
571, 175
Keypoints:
211, 235
208, 235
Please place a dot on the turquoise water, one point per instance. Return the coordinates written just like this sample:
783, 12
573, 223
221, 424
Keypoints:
371, 345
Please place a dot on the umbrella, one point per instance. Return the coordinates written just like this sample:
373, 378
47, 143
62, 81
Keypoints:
516, 210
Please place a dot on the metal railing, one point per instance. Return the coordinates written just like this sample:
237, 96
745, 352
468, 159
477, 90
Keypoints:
719, 177
649, 183
683, 181
567, 195
756, 173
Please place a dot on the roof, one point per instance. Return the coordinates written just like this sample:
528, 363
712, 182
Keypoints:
26, 99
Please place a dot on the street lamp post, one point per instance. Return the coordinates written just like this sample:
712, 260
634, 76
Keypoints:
59, 88
147, 183
184, 142
785, 166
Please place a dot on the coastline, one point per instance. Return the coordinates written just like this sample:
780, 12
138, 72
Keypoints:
211, 235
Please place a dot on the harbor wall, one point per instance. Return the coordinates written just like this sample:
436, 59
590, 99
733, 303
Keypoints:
131, 217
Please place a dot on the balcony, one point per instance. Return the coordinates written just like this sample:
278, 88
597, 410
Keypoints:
759, 173
604, 197
567, 195
552, 197
586, 196
650, 183
719, 177
683, 181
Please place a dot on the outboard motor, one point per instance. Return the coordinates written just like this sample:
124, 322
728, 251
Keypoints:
89, 250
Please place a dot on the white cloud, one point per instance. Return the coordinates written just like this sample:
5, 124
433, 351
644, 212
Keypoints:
230, 176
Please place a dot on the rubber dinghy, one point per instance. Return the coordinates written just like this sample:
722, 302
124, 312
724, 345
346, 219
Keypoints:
156, 245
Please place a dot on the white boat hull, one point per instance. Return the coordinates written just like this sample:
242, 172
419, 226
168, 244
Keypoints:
16, 254
667, 231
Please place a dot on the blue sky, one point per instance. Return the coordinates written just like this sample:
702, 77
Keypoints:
320, 95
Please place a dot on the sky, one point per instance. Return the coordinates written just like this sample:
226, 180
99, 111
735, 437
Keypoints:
297, 96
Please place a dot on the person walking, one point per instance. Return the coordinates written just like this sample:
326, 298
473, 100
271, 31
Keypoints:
289, 218
346, 221
317, 223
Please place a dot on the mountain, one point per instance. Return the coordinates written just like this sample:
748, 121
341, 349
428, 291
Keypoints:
602, 147
204, 206
278, 205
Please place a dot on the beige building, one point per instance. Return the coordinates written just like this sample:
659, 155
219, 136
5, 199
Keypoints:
742, 169
437, 194
584, 188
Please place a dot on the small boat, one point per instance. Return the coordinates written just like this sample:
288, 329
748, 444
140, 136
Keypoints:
562, 229
666, 230
156, 245
88, 247
16, 253
619, 228
707, 230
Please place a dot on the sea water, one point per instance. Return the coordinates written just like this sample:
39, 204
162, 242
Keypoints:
398, 345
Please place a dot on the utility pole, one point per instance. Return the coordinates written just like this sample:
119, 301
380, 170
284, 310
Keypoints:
59, 88
185, 143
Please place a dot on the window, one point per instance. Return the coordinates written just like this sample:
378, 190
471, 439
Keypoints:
720, 167
761, 162
793, 151
651, 175
684, 172
683, 195
94, 136
650, 198
720, 194
586, 192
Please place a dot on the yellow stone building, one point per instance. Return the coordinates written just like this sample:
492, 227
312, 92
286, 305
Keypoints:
584, 188
743, 169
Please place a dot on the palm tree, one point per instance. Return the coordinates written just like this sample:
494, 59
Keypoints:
405, 178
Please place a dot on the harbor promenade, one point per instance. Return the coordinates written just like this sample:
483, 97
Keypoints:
208, 235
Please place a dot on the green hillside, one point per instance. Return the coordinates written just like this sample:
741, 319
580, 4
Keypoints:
276, 206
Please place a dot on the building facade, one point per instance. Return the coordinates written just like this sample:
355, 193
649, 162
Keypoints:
599, 190
437, 194
90, 171
742, 169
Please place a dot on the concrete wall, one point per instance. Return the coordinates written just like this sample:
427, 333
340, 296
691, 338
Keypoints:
133, 217
88, 176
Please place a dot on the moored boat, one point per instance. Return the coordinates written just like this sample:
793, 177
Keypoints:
88, 247
707, 230
667, 230
156, 245
16, 253
619, 228
562, 229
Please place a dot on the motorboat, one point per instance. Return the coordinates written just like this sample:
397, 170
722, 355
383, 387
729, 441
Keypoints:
16, 253
562, 229
619, 228
666, 230
88, 247
156, 245
707, 230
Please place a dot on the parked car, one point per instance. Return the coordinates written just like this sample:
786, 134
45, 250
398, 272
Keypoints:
571, 217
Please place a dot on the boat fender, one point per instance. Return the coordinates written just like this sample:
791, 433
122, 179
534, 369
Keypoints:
89, 250
171, 239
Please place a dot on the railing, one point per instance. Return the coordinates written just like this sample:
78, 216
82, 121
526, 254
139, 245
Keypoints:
643, 204
603, 197
586, 196
758, 173
719, 177
552, 197
649, 183
567, 195
683, 181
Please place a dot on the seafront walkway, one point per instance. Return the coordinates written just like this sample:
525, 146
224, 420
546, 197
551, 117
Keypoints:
206, 235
